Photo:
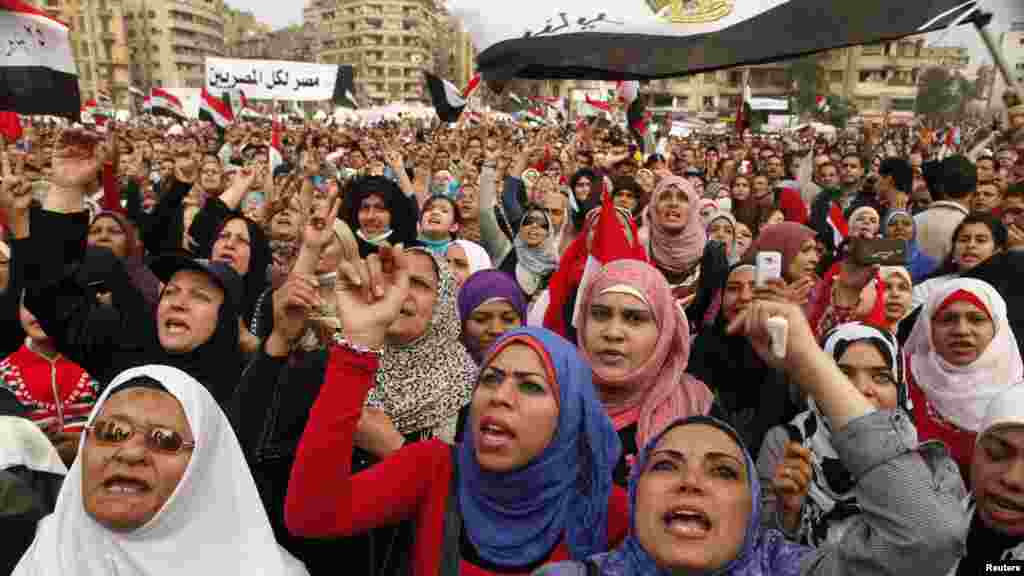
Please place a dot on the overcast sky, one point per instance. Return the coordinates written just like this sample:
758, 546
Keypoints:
279, 14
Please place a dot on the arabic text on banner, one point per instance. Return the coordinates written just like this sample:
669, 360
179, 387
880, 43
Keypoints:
271, 79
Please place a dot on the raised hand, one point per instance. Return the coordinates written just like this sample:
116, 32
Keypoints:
752, 323
319, 229
372, 293
791, 483
75, 159
394, 159
376, 433
15, 191
293, 302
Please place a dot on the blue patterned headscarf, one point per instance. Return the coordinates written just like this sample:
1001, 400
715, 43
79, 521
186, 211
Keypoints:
516, 518
919, 264
764, 553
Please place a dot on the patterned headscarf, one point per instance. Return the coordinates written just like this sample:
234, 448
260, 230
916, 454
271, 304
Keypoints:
831, 500
765, 552
423, 385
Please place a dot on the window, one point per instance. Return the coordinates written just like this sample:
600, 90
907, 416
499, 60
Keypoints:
709, 102
835, 76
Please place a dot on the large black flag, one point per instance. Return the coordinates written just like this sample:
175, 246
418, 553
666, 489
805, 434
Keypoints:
344, 88
645, 39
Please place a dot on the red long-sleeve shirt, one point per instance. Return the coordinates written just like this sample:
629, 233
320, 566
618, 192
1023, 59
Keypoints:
326, 500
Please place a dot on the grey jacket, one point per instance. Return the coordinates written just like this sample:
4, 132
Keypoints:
910, 495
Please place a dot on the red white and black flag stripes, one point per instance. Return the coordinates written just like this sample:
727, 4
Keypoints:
644, 39
163, 103
37, 70
448, 100
215, 110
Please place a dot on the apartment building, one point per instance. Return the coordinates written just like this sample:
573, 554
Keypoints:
387, 42
295, 43
878, 78
99, 45
239, 25
170, 39
453, 52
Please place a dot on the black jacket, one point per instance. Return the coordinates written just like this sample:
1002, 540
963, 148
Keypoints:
108, 340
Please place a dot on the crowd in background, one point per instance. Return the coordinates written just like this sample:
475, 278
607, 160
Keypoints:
493, 348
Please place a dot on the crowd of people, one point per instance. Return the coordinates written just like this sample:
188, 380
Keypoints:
492, 348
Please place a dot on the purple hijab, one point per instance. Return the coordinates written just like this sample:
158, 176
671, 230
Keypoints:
479, 288
765, 552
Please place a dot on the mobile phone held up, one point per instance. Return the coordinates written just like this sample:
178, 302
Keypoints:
878, 252
768, 267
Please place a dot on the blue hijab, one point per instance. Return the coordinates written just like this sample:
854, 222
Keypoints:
919, 264
765, 552
516, 518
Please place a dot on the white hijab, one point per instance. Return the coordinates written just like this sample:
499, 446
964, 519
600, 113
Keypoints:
961, 394
22, 443
475, 253
213, 523
1006, 409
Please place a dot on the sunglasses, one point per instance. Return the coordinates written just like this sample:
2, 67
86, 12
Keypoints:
157, 438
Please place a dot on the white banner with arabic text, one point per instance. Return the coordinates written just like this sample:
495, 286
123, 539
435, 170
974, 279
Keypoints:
271, 79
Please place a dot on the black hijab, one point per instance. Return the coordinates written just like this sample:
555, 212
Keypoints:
260, 258
404, 212
753, 396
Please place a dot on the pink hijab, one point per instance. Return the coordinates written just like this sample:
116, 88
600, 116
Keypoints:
676, 253
661, 391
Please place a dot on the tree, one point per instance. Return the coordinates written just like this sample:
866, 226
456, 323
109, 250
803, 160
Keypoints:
807, 78
937, 98
840, 110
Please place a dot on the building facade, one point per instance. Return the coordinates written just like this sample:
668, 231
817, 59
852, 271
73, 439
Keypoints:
239, 25
295, 43
98, 44
877, 78
388, 43
169, 40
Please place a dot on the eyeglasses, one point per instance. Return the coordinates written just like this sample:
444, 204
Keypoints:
157, 438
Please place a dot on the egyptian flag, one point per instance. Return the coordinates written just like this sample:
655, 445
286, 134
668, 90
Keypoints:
743, 111
636, 112
598, 104
584, 258
448, 100
163, 103
10, 126
822, 104
276, 158
344, 88
215, 110
837, 223
638, 40
93, 113
37, 73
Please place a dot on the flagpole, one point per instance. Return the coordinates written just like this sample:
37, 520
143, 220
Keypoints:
980, 24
